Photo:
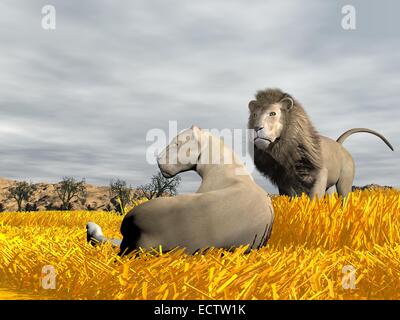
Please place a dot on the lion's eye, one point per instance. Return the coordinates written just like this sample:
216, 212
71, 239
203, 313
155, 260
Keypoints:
254, 115
272, 114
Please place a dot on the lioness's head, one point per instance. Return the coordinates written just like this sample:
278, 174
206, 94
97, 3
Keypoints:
268, 114
182, 153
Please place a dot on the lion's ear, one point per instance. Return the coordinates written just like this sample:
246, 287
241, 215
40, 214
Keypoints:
287, 103
252, 105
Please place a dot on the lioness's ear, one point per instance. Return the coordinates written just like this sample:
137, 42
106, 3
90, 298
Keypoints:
252, 105
287, 103
196, 132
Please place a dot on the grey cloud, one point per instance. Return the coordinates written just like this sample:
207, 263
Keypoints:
79, 100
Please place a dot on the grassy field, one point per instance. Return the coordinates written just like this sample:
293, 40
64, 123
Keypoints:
311, 243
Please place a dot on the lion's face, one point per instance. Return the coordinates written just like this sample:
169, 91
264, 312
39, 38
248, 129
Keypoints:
267, 121
181, 154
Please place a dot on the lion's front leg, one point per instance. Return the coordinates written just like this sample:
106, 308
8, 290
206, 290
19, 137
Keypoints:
319, 188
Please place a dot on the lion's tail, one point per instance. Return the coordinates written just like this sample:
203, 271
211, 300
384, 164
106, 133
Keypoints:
348, 133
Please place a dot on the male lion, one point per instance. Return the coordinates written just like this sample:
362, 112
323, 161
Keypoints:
290, 152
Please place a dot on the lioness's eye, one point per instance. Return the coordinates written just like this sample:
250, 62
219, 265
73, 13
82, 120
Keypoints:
254, 115
272, 114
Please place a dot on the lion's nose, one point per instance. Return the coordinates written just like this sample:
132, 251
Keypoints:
256, 129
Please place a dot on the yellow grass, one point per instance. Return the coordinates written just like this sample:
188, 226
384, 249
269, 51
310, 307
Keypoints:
311, 242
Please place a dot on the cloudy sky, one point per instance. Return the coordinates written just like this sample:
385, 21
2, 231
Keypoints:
80, 99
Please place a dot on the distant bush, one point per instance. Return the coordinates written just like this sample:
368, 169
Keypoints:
22, 191
69, 190
159, 186
121, 195
31, 207
90, 208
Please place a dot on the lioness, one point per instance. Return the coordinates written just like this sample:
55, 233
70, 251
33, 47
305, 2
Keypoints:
228, 210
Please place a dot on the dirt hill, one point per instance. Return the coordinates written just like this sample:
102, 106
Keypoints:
371, 187
45, 197
98, 197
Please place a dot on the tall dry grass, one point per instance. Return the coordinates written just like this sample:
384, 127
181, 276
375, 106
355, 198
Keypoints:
311, 243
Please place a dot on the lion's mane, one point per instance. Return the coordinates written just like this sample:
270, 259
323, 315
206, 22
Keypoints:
294, 160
